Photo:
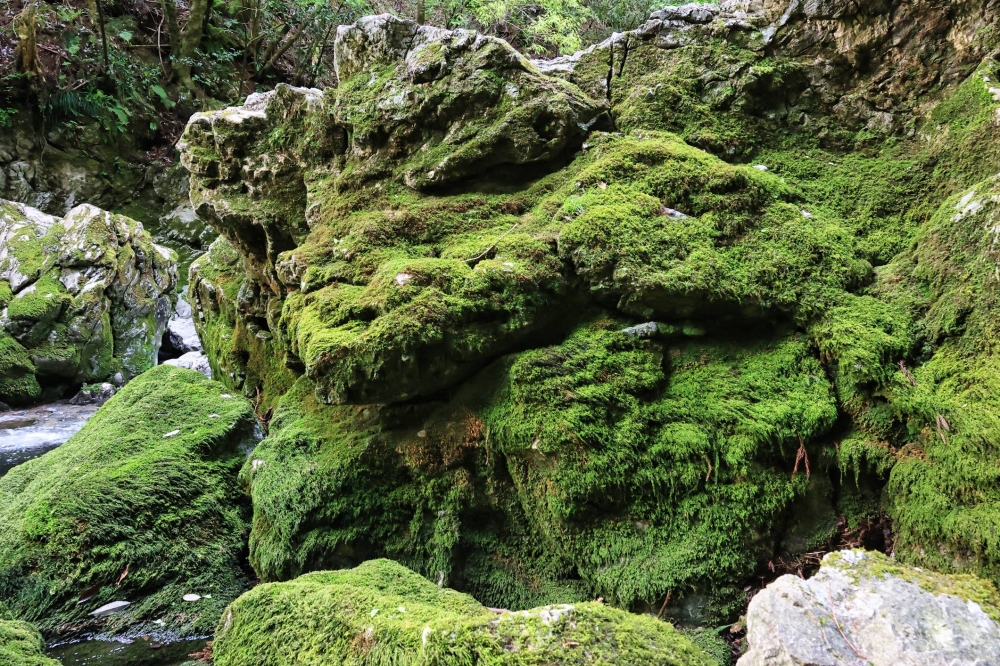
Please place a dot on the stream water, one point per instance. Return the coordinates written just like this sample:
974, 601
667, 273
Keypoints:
28, 433
139, 652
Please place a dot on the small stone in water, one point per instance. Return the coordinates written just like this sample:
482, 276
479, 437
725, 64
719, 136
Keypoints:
113, 607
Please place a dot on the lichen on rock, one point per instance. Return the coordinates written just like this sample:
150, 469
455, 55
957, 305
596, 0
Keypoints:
862, 606
84, 297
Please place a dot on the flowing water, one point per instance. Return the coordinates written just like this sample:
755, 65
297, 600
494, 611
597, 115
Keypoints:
28, 433
140, 652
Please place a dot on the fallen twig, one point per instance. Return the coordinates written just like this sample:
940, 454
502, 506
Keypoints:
833, 611
487, 250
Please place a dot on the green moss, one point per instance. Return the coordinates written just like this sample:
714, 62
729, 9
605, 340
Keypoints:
21, 645
142, 504
718, 650
574, 458
382, 613
18, 384
741, 248
41, 303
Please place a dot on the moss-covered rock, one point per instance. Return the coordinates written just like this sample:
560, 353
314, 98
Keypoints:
382, 612
558, 473
142, 505
85, 297
586, 378
617, 363
21, 645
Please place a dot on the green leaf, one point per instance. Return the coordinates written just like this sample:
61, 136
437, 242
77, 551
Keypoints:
153, 126
126, 35
120, 113
159, 92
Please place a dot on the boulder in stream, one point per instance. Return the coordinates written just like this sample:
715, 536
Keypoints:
120, 512
82, 298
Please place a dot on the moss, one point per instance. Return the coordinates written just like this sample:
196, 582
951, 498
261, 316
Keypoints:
382, 613
741, 246
18, 384
21, 645
597, 418
589, 450
39, 304
140, 505
718, 650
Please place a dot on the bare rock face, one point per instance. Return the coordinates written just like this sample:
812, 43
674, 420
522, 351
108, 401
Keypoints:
84, 298
864, 608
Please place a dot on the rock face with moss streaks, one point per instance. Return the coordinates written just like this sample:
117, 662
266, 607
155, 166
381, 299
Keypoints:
863, 607
141, 506
84, 298
505, 347
381, 610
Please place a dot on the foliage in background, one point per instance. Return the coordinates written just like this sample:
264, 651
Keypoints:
143, 67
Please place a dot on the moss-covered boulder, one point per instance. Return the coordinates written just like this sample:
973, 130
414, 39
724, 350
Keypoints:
381, 612
142, 506
82, 299
585, 376
21, 645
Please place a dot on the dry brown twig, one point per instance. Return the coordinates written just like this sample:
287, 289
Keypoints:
833, 611
801, 455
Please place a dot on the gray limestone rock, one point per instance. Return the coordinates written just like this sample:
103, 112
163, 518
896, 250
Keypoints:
83, 297
193, 360
863, 608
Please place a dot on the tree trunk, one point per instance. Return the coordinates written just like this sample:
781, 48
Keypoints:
184, 42
27, 45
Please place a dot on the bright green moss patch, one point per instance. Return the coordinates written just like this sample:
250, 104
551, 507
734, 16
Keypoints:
21, 645
381, 612
142, 504
668, 230
609, 440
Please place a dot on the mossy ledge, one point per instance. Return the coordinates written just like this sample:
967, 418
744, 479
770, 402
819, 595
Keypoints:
380, 612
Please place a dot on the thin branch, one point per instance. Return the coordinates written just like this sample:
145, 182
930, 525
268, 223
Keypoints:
487, 250
833, 611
